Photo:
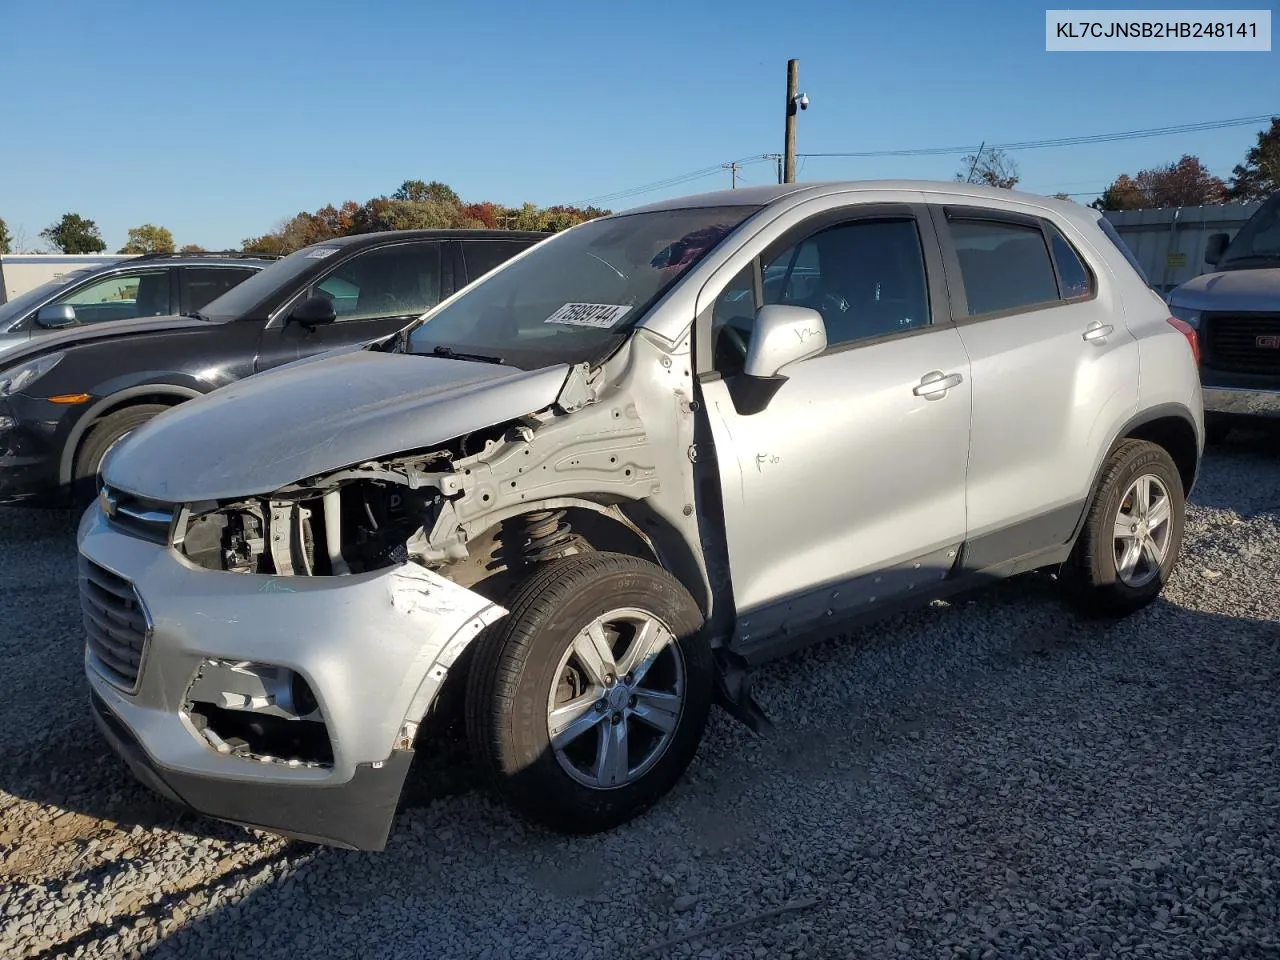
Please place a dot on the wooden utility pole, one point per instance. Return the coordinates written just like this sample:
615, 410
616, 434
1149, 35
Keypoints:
793, 90
733, 174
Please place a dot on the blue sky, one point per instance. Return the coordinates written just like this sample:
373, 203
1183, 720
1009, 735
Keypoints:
219, 120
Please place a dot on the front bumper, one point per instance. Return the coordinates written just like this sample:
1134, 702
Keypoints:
28, 470
1242, 401
374, 649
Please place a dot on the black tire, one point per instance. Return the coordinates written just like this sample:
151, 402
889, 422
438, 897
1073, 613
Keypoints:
516, 663
1089, 576
96, 443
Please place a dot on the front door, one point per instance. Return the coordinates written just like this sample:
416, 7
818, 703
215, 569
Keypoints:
374, 292
848, 488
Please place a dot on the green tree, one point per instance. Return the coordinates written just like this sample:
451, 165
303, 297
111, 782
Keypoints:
191, 248
1259, 176
435, 190
993, 167
6, 238
148, 238
74, 234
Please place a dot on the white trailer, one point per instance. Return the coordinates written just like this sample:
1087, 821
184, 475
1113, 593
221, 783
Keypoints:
1169, 241
20, 272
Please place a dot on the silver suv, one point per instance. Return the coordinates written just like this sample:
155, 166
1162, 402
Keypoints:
579, 501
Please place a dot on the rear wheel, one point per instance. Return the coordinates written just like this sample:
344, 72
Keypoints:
102, 436
1132, 534
586, 703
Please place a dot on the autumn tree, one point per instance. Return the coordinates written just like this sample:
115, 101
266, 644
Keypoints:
1259, 176
993, 167
1186, 183
191, 248
1123, 194
148, 238
6, 239
74, 234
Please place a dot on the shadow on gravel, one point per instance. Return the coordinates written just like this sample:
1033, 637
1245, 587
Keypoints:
1244, 447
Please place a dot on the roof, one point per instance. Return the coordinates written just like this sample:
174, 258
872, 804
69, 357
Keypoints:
382, 236
763, 195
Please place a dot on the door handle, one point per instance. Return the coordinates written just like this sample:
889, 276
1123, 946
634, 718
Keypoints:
935, 384
1098, 332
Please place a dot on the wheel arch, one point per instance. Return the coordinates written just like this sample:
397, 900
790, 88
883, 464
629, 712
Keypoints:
168, 394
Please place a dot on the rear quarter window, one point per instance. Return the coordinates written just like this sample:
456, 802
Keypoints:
1118, 241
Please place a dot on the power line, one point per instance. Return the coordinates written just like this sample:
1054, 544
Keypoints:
1057, 142
1016, 145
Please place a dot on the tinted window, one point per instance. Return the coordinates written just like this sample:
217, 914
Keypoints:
121, 296
481, 256
1259, 239
15, 310
1004, 265
1073, 276
867, 279
394, 281
201, 285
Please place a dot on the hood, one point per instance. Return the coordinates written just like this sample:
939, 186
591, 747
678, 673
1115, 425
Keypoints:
310, 417
48, 341
1246, 290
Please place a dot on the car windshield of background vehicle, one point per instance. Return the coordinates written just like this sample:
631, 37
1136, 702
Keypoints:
1258, 241
570, 299
243, 297
17, 308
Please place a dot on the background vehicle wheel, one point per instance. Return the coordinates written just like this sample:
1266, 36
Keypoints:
102, 436
1132, 534
586, 703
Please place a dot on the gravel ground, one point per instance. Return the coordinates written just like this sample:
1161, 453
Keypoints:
988, 778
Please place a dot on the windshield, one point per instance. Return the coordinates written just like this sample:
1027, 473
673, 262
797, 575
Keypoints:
1259, 239
243, 297
573, 297
15, 309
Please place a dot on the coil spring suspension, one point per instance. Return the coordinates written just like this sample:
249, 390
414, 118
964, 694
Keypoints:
547, 535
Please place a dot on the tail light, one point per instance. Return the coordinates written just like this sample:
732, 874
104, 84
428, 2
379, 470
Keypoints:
1188, 331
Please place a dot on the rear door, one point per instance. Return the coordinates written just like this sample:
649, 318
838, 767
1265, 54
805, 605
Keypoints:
199, 286
374, 292
1054, 369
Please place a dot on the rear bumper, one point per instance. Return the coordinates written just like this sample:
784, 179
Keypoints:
1242, 401
356, 814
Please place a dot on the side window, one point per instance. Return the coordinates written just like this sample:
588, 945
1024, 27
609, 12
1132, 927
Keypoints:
402, 280
202, 285
1073, 276
481, 256
1004, 266
866, 278
121, 297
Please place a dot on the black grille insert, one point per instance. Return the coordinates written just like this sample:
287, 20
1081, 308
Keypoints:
1243, 342
147, 519
115, 623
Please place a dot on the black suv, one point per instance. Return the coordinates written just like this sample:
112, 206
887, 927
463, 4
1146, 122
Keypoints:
67, 397
152, 285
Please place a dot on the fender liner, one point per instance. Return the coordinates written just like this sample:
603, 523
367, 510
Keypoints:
90, 416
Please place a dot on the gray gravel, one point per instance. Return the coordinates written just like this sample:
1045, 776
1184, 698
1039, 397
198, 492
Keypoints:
987, 778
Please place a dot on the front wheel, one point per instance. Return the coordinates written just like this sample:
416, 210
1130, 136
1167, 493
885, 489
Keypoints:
587, 702
1132, 534
102, 436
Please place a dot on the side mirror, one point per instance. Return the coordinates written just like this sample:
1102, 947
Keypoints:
314, 312
53, 316
1215, 247
782, 335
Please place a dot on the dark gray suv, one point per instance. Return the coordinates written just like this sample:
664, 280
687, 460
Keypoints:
152, 285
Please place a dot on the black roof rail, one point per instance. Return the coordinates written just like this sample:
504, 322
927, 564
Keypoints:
215, 254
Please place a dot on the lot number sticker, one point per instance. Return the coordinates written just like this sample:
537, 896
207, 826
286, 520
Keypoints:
321, 253
602, 315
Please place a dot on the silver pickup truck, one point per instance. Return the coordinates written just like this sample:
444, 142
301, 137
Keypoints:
1236, 310
579, 501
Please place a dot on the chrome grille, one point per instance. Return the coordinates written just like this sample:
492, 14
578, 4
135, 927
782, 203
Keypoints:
1242, 343
137, 516
115, 622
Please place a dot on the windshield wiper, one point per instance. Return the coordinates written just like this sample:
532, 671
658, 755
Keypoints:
196, 315
443, 351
